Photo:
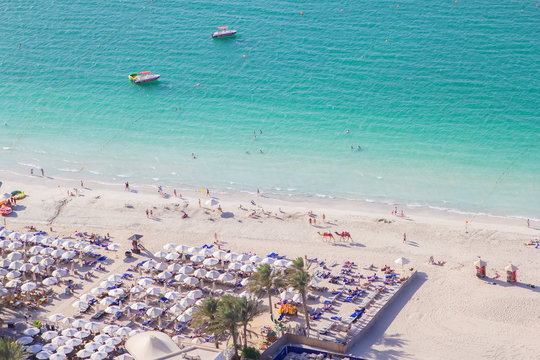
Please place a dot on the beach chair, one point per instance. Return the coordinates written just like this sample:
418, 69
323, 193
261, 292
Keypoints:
327, 328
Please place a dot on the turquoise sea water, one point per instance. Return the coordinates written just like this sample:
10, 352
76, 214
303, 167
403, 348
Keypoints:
443, 97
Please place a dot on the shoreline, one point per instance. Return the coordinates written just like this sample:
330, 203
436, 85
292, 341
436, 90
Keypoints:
359, 206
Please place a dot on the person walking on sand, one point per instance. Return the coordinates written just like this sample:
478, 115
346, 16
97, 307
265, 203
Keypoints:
147, 213
42, 172
404, 238
199, 203
82, 184
258, 192
32, 171
127, 186
151, 213
207, 192
323, 218
528, 223
174, 192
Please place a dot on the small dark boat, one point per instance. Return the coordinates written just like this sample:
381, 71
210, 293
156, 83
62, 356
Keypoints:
223, 32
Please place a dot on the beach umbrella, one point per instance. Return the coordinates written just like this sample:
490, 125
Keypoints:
84, 353
106, 348
138, 306
57, 356
101, 338
124, 357
57, 242
116, 292
169, 247
107, 284
69, 332
178, 308
67, 321
15, 245
180, 277
480, 263
164, 275
50, 281
113, 309
26, 237
153, 291
245, 282
160, 254
145, 281
212, 201
255, 259
15, 235
92, 326
59, 340
90, 248
198, 340
106, 301
82, 334
49, 335
115, 278
192, 311
268, 261
14, 256
205, 252
64, 349
46, 251
184, 318
401, 261
34, 250
47, 241
44, 354
68, 255
60, 273
74, 342
193, 250
35, 348
98, 290
4, 233
79, 323
232, 256
47, 262
123, 331
186, 270
4, 263
191, 280
174, 267
210, 262
68, 244
25, 340
136, 289
225, 277
13, 274
247, 268
243, 257
154, 312
110, 329
195, 294
200, 272
99, 355
57, 253
92, 346
31, 331
186, 302
511, 267
172, 256
212, 274
181, 248
4, 243
79, 245
87, 297
113, 341
3, 291
235, 266
15, 265
81, 305
35, 259
220, 254
149, 264
282, 263
114, 247
13, 283
50, 347
36, 239
171, 295
3, 272
197, 258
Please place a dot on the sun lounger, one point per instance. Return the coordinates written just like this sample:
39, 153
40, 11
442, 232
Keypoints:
326, 328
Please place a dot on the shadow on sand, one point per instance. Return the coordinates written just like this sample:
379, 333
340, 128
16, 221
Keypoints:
376, 334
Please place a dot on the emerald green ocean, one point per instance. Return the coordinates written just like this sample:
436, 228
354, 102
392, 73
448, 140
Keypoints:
443, 98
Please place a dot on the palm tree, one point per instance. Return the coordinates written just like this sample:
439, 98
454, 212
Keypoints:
229, 317
298, 278
207, 318
11, 350
266, 279
249, 309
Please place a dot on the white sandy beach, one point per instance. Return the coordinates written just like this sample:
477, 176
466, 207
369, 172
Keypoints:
448, 313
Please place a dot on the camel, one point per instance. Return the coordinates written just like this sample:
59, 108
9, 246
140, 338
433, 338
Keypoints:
326, 235
344, 235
